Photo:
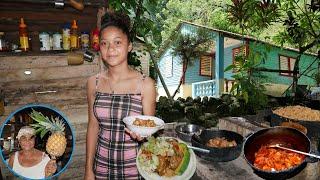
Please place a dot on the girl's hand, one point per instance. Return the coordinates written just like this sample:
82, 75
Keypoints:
134, 135
51, 168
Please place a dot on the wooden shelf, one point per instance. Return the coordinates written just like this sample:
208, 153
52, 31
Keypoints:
31, 53
42, 16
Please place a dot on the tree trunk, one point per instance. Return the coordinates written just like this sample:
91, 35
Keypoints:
181, 79
158, 71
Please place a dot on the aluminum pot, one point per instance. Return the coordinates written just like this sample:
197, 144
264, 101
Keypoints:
218, 154
186, 131
274, 135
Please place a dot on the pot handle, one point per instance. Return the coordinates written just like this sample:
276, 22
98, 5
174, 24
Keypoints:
310, 159
247, 136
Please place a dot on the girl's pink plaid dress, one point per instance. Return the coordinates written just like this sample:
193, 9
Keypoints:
115, 152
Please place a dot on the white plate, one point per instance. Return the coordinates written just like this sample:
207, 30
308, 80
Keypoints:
188, 173
143, 131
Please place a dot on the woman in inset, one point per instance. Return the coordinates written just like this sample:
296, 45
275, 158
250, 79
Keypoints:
113, 94
29, 161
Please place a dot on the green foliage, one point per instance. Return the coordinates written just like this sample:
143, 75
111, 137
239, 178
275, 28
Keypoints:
204, 12
316, 77
190, 110
302, 24
248, 87
253, 16
169, 110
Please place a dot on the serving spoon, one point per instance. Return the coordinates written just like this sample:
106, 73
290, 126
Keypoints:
293, 150
199, 149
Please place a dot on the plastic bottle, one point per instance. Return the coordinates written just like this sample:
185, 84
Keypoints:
85, 40
23, 36
95, 39
3, 47
74, 35
66, 37
56, 41
44, 41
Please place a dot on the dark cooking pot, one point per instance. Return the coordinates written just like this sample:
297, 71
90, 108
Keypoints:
312, 126
218, 154
282, 135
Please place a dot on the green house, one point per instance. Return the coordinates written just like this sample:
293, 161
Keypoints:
207, 76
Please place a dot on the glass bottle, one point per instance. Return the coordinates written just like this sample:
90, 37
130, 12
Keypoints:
95, 39
74, 35
66, 37
23, 36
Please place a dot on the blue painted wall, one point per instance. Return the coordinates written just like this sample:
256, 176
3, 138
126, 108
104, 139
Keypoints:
176, 68
228, 59
193, 74
272, 62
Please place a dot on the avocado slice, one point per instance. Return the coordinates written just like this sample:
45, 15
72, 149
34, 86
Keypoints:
185, 161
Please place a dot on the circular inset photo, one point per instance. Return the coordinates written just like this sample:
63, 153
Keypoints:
37, 142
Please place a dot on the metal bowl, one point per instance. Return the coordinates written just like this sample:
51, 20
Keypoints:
186, 131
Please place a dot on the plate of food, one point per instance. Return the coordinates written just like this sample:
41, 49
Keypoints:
166, 158
144, 125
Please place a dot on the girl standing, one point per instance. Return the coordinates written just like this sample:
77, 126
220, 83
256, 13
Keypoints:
112, 95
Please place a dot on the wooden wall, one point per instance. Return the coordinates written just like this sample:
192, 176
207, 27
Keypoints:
50, 73
49, 70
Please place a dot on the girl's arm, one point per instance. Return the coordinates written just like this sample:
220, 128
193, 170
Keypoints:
148, 97
92, 130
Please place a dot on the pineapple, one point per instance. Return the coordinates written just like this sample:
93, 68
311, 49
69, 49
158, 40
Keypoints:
57, 141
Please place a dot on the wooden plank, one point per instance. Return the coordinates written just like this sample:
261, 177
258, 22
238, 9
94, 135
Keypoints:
45, 97
59, 104
29, 13
22, 62
48, 73
43, 85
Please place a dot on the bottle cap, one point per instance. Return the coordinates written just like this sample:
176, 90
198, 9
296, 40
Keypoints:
66, 26
74, 24
22, 24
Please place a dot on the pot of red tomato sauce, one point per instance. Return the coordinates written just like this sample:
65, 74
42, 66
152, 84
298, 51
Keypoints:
275, 163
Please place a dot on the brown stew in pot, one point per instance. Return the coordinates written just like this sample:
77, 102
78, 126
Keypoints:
221, 142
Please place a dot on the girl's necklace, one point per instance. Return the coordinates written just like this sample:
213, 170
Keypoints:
111, 89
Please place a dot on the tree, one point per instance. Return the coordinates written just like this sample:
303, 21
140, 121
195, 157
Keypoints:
189, 47
209, 13
300, 18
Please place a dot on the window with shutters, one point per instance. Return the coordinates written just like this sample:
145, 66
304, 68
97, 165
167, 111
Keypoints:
206, 65
286, 63
168, 66
236, 51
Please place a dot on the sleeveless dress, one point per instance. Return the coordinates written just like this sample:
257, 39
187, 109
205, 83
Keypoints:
34, 172
116, 152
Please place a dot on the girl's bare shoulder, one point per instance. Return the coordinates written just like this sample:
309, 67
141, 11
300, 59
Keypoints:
148, 81
91, 81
